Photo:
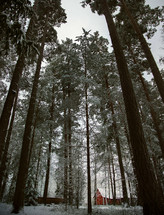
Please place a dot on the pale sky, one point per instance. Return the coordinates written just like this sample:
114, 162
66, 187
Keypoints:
78, 17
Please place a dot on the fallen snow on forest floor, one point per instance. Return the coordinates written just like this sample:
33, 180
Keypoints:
5, 209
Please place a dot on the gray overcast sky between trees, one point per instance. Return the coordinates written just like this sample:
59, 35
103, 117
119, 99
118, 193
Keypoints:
78, 18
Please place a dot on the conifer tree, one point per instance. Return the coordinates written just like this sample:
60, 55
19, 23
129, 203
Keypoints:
55, 17
14, 85
151, 204
154, 68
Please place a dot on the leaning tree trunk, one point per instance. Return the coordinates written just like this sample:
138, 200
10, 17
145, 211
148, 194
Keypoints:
139, 200
153, 199
18, 202
155, 119
5, 178
5, 154
154, 68
4, 186
14, 87
11, 187
158, 172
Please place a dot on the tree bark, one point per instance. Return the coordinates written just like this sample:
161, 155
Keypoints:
70, 150
88, 143
3, 186
154, 68
139, 198
123, 180
33, 135
153, 199
47, 173
155, 119
70, 162
65, 154
4, 155
49, 147
95, 181
11, 187
114, 182
109, 173
18, 202
14, 87
78, 183
37, 168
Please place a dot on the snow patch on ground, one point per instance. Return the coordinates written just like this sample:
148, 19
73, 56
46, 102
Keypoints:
5, 209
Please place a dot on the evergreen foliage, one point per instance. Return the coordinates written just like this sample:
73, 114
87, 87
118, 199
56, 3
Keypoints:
77, 116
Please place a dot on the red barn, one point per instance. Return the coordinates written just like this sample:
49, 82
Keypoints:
100, 200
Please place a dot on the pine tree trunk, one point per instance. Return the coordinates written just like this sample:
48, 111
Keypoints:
3, 186
108, 184
112, 174
37, 168
154, 68
123, 180
65, 154
139, 198
88, 144
70, 151
70, 163
49, 147
6, 112
159, 176
47, 173
33, 136
11, 187
130, 191
4, 155
18, 202
155, 119
5, 178
14, 87
105, 185
78, 184
95, 181
114, 182
109, 173
153, 199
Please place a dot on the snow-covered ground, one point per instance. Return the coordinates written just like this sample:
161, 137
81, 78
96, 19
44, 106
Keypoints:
60, 210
